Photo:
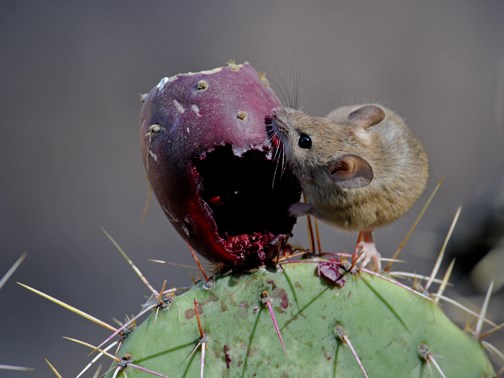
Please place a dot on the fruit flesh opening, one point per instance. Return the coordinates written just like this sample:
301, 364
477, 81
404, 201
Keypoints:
249, 196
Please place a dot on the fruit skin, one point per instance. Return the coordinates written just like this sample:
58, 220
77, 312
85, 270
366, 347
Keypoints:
184, 119
385, 323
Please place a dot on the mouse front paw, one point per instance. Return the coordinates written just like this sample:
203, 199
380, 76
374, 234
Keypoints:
299, 209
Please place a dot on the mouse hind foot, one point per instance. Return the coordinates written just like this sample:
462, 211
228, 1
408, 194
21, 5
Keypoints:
366, 252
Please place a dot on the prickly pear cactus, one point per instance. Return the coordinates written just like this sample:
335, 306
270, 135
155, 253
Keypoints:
360, 324
212, 166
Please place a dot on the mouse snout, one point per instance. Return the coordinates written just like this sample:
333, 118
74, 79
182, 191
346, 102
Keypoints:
282, 112
280, 120
270, 120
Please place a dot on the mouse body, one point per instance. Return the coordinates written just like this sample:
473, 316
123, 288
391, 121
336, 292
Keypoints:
360, 167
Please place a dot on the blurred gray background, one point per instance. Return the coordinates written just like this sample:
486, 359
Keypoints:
70, 76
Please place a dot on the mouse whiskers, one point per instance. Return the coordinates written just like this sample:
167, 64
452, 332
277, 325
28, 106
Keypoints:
289, 85
279, 158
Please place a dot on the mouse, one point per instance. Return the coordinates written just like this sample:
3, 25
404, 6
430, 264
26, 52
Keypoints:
360, 168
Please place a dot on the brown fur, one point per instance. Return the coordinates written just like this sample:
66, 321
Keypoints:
399, 163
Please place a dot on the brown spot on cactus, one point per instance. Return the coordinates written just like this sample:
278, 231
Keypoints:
212, 167
227, 358
284, 299
272, 283
189, 313
223, 306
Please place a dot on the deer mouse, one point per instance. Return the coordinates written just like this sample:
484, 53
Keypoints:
360, 168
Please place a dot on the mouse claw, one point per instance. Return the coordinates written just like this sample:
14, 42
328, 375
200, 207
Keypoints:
365, 251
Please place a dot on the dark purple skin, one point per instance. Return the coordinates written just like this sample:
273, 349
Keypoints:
333, 271
210, 163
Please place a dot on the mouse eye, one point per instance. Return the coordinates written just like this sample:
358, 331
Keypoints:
304, 141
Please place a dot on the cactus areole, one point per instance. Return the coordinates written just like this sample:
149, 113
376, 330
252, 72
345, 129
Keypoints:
212, 166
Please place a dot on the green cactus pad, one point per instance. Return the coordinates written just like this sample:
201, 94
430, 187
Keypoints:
393, 330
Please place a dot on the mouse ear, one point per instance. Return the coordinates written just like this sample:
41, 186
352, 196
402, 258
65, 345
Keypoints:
351, 171
366, 116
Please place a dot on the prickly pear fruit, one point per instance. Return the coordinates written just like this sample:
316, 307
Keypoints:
366, 324
210, 163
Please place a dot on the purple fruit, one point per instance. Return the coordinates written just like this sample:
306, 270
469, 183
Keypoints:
211, 164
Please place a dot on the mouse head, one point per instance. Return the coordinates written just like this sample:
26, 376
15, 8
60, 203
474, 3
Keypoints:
328, 150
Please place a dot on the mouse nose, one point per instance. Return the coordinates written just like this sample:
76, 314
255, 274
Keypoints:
279, 110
